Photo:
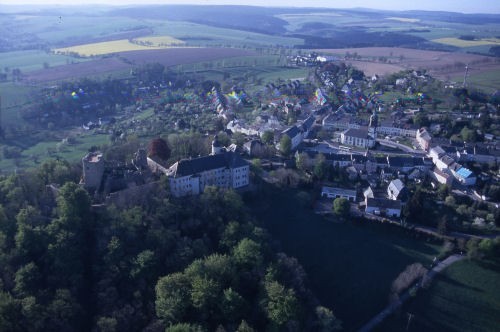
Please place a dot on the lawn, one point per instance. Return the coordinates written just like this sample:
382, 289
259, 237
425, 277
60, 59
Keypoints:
350, 265
487, 80
33, 60
465, 297
34, 154
467, 43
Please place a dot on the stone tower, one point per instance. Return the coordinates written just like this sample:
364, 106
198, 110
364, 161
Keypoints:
93, 170
217, 148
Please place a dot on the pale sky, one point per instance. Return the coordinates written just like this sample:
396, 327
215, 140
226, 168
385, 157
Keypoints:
464, 6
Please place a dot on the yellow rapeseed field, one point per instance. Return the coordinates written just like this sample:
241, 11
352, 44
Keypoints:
122, 45
467, 43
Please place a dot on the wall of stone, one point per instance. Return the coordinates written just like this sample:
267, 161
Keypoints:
137, 195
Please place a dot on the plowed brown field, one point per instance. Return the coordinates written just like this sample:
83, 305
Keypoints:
127, 60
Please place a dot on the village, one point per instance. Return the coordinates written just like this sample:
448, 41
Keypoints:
340, 122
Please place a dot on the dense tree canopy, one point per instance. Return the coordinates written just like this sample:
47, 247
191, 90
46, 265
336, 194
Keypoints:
192, 264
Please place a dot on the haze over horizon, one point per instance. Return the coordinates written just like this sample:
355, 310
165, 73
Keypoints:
463, 6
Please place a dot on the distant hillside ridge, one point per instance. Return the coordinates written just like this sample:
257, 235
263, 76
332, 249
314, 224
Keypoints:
247, 18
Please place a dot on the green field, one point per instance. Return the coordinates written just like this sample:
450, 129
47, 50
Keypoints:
350, 266
73, 29
197, 34
33, 60
465, 297
34, 154
488, 80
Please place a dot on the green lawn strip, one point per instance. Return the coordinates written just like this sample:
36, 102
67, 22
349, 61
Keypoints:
464, 297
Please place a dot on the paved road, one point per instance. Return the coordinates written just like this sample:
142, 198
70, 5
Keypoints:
389, 310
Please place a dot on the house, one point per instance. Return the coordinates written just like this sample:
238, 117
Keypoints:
357, 137
307, 125
445, 162
352, 173
424, 139
254, 148
442, 177
331, 192
359, 162
435, 153
405, 164
297, 133
383, 207
339, 122
464, 176
340, 160
368, 193
191, 176
416, 174
487, 154
397, 190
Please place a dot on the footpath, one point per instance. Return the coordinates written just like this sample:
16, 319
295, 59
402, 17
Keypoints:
391, 308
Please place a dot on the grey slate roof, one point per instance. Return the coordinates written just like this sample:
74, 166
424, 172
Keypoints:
397, 184
194, 166
383, 203
292, 131
358, 133
308, 123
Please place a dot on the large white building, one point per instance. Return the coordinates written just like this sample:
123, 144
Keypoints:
357, 137
364, 137
191, 176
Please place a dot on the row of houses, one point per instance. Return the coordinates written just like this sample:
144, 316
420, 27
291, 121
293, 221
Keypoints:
298, 132
372, 164
390, 206
448, 170
344, 122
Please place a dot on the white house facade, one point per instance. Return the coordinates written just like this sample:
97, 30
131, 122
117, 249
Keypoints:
191, 176
357, 137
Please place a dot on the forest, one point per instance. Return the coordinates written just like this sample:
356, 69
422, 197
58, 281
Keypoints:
193, 264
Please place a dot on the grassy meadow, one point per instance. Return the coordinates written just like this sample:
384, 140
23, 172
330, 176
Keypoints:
489, 81
203, 35
467, 43
464, 297
35, 153
350, 266
31, 60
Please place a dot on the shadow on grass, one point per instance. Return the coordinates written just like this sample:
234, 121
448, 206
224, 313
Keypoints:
444, 278
350, 265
